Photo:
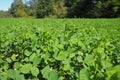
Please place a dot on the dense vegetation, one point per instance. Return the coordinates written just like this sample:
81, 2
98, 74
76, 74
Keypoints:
65, 8
59, 49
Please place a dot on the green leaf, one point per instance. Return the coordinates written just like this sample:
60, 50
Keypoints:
1, 60
16, 65
88, 59
115, 76
73, 41
3, 77
20, 77
36, 61
61, 78
32, 57
53, 75
79, 58
60, 46
45, 72
72, 55
62, 55
56, 50
11, 73
46, 56
9, 60
27, 53
26, 68
26, 59
112, 72
49, 73
106, 64
80, 53
84, 74
66, 64
80, 43
6, 65
34, 71
33, 37
100, 50
13, 57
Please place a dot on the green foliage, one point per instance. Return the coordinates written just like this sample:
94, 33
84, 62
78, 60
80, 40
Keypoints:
79, 8
49, 74
4, 14
44, 8
26, 68
65, 8
20, 13
84, 75
18, 9
93, 8
34, 71
108, 8
59, 8
59, 49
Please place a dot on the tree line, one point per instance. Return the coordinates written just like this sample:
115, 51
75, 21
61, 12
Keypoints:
65, 8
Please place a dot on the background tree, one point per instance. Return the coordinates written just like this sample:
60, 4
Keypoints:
18, 9
44, 8
4, 14
66, 8
111, 8
93, 8
31, 7
79, 8
60, 10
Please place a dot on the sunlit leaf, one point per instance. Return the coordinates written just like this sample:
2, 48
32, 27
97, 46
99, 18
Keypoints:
27, 53
106, 64
62, 55
9, 60
13, 57
66, 64
89, 59
36, 60
16, 65
32, 57
84, 74
20, 77
45, 72
53, 75
11, 73
26, 68
34, 71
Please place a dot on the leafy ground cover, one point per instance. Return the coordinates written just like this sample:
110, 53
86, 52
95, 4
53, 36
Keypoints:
60, 49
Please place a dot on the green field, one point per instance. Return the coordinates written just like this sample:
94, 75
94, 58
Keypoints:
59, 49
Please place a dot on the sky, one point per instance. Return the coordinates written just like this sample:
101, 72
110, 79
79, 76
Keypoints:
5, 4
